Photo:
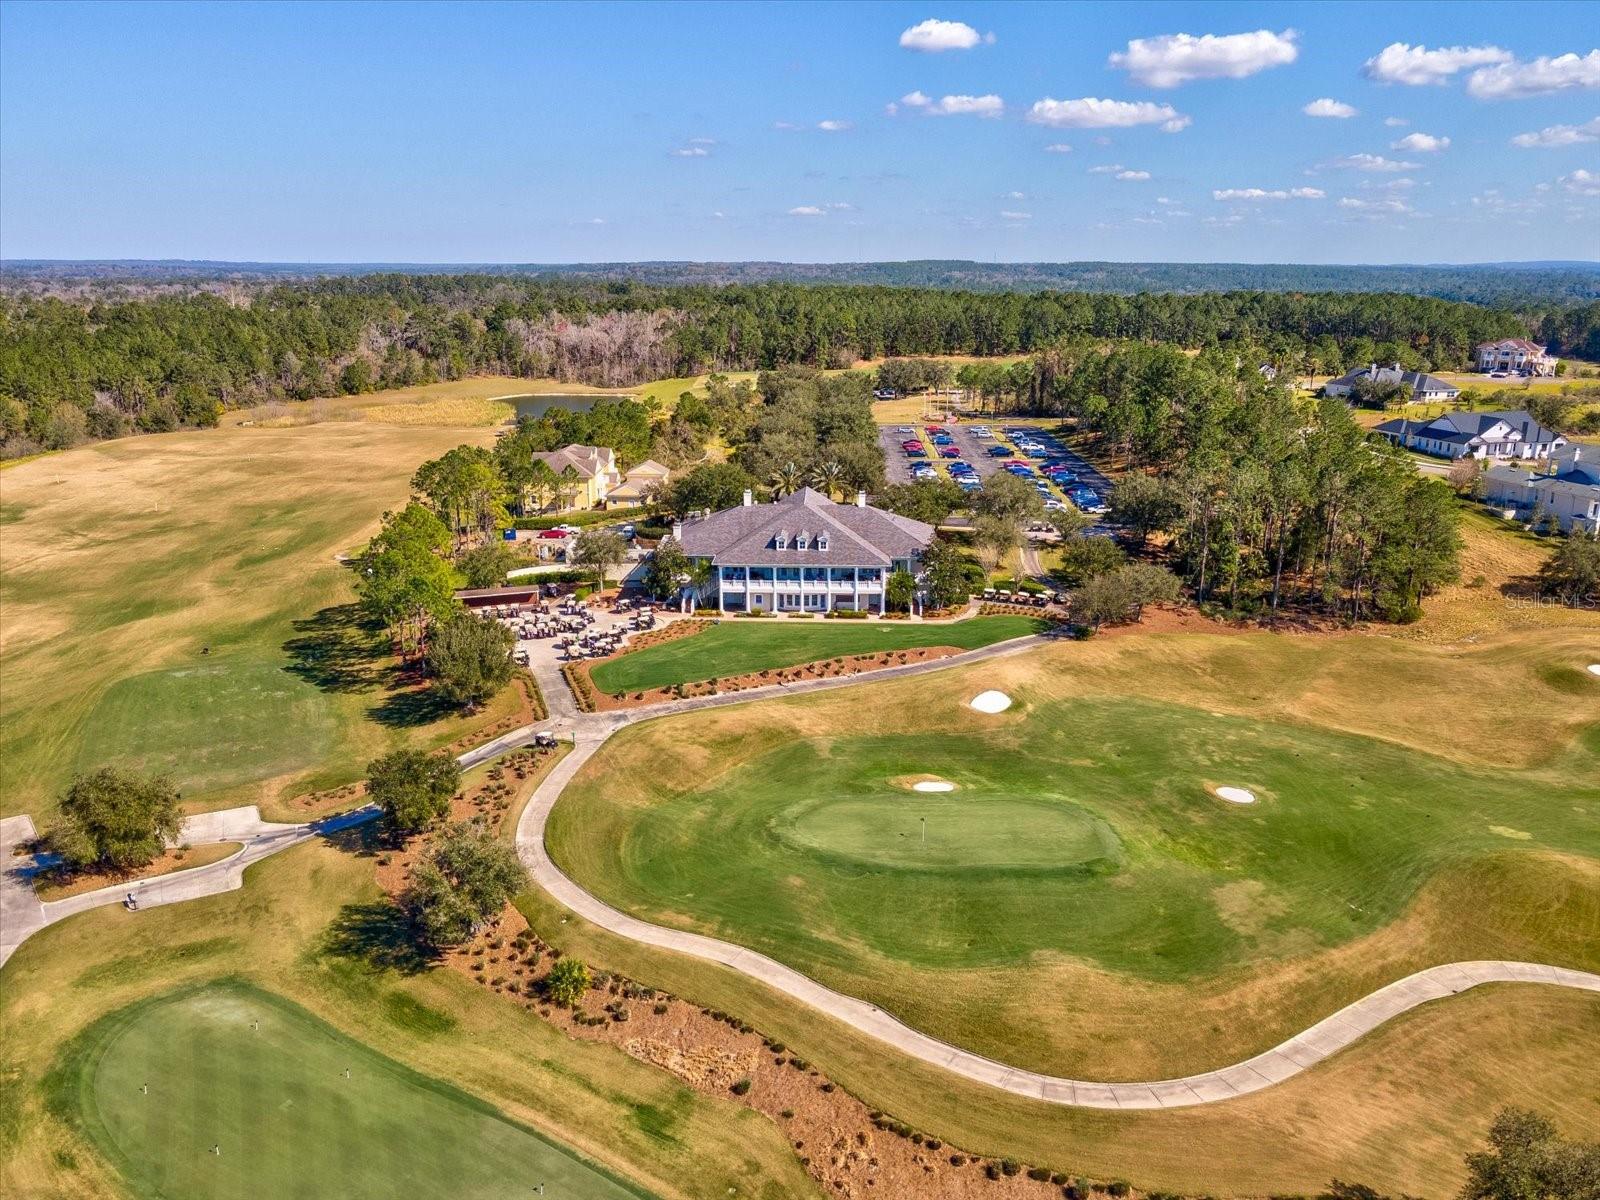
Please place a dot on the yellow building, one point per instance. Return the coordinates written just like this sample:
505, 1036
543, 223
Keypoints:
589, 474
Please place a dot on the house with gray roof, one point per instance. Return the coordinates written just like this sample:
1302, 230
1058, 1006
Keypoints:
1415, 386
1569, 490
1510, 433
802, 553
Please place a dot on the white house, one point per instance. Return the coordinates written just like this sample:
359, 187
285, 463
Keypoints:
1514, 356
803, 553
1569, 490
1420, 385
1512, 433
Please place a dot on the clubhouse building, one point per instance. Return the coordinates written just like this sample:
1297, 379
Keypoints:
803, 553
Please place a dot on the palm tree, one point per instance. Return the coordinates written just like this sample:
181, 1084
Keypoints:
569, 484
828, 478
542, 482
785, 480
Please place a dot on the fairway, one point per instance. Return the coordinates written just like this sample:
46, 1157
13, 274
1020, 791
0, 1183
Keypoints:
1083, 852
737, 647
295, 1109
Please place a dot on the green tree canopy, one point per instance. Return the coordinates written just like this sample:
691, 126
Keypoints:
464, 880
116, 818
413, 787
469, 658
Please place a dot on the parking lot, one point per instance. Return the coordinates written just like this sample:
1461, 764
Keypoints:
1030, 452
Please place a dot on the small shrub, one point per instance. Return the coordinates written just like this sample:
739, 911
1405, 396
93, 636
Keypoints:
1010, 1166
740, 1088
958, 1160
787, 1113
1118, 1187
1039, 1174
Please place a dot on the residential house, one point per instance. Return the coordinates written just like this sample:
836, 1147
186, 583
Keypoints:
595, 468
1417, 386
1512, 433
639, 483
1569, 490
803, 553
1514, 356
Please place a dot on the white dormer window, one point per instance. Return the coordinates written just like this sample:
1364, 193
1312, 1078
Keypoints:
801, 541
822, 541
781, 542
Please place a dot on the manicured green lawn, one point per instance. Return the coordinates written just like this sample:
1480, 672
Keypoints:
162, 1085
217, 723
1085, 829
738, 646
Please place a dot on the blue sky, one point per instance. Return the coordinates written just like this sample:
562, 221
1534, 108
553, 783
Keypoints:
552, 132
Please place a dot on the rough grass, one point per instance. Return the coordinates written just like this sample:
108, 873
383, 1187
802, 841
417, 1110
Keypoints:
457, 412
292, 1105
1242, 925
737, 647
311, 925
175, 599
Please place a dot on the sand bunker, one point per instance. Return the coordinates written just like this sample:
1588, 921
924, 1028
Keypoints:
1594, 668
933, 785
1235, 795
998, 702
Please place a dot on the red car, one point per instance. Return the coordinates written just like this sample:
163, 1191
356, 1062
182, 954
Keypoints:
934, 428
950, 452
910, 446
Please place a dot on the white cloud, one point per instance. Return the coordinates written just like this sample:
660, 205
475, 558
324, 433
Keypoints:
806, 210
1371, 162
1093, 113
1256, 194
1582, 182
1421, 143
702, 141
1513, 80
1327, 107
1559, 135
1133, 176
691, 152
595, 221
841, 206
833, 126
935, 37
1374, 206
1010, 215
1058, 148
718, 215
1015, 196
1176, 58
787, 125
1399, 62
952, 106
1396, 122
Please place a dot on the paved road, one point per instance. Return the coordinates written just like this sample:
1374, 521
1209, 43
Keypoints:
22, 914
1289, 1058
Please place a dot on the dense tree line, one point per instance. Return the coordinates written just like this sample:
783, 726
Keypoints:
87, 367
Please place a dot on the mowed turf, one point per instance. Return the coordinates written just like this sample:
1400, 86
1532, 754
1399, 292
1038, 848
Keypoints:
228, 1091
788, 827
737, 647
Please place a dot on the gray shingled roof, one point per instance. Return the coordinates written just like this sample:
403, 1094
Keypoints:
1462, 426
856, 536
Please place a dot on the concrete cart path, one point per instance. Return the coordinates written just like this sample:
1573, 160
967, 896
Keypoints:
1304, 1050
23, 914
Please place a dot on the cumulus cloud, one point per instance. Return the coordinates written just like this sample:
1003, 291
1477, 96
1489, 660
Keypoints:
935, 37
691, 152
1396, 122
1015, 196
1013, 215
1582, 182
951, 106
1132, 176
1093, 113
833, 126
1513, 80
1559, 135
1256, 194
1178, 58
1374, 206
1371, 162
1058, 148
1421, 143
1418, 66
1327, 107
806, 210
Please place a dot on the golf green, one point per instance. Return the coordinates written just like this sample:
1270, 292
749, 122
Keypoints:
1087, 828
228, 1091
737, 647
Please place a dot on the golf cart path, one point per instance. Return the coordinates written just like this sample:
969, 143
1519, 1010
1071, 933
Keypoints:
23, 914
1289, 1058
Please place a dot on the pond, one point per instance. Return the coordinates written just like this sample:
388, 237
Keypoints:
543, 402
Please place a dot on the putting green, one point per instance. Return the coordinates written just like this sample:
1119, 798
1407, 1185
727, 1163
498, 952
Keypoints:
211, 725
970, 830
228, 1091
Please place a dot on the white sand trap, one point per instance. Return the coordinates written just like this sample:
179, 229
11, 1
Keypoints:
1594, 668
1236, 795
933, 785
996, 702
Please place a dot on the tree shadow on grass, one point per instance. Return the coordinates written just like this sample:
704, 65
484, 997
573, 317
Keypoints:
379, 936
407, 705
338, 650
